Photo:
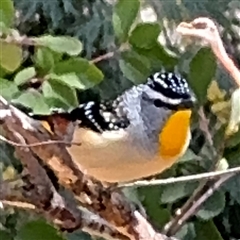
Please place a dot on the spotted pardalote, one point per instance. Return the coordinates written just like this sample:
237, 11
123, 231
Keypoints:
139, 134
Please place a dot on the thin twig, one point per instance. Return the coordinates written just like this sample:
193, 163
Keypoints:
199, 190
195, 207
18, 204
103, 57
19, 40
195, 177
205, 29
203, 124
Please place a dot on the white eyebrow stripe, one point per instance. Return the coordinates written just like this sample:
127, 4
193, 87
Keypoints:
168, 100
158, 95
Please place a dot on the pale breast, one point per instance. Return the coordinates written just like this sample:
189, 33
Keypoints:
117, 161
103, 150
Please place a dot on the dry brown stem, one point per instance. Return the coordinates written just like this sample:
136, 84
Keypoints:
119, 219
206, 29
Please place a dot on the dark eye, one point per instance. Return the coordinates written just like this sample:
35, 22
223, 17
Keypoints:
170, 91
160, 104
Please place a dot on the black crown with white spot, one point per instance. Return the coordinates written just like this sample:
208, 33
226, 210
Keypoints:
171, 91
170, 84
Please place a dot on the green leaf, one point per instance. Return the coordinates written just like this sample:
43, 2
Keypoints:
91, 76
25, 75
187, 232
7, 12
202, 70
213, 206
233, 187
173, 192
3, 28
135, 67
3, 72
78, 236
34, 100
158, 56
124, 15
71, 79
10, 56
189, 156
234, 140
61, 44
8, 89
88, 74
75, 65
145, 35
5, 235
207, 230
233, 125
38, 230
155, 211
44, 59
55, 89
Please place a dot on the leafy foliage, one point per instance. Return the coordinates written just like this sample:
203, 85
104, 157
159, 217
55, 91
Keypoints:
6, 12
145, 35
62, 60
10, 56
200, 80
67, 45
124, 14
39, 229
213, 206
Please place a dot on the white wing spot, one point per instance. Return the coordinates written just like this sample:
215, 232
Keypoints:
88, 112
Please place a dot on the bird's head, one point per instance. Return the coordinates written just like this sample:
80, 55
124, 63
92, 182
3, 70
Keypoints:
171, 91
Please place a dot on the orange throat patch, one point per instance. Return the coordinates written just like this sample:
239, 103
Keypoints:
175, 137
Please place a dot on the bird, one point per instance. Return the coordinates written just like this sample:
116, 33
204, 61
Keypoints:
140, 134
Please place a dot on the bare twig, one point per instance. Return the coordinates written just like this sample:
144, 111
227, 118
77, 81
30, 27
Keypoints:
103, 57
197, 204
181, 213
195, 177
203, 125
22, 40
17, 39
18, 204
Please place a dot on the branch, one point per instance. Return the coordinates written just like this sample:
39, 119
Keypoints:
103, 57
19, 40
109, 204
197, 204
39, 189
187, 209
195, 177
91, 223
23, 40
206, 29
